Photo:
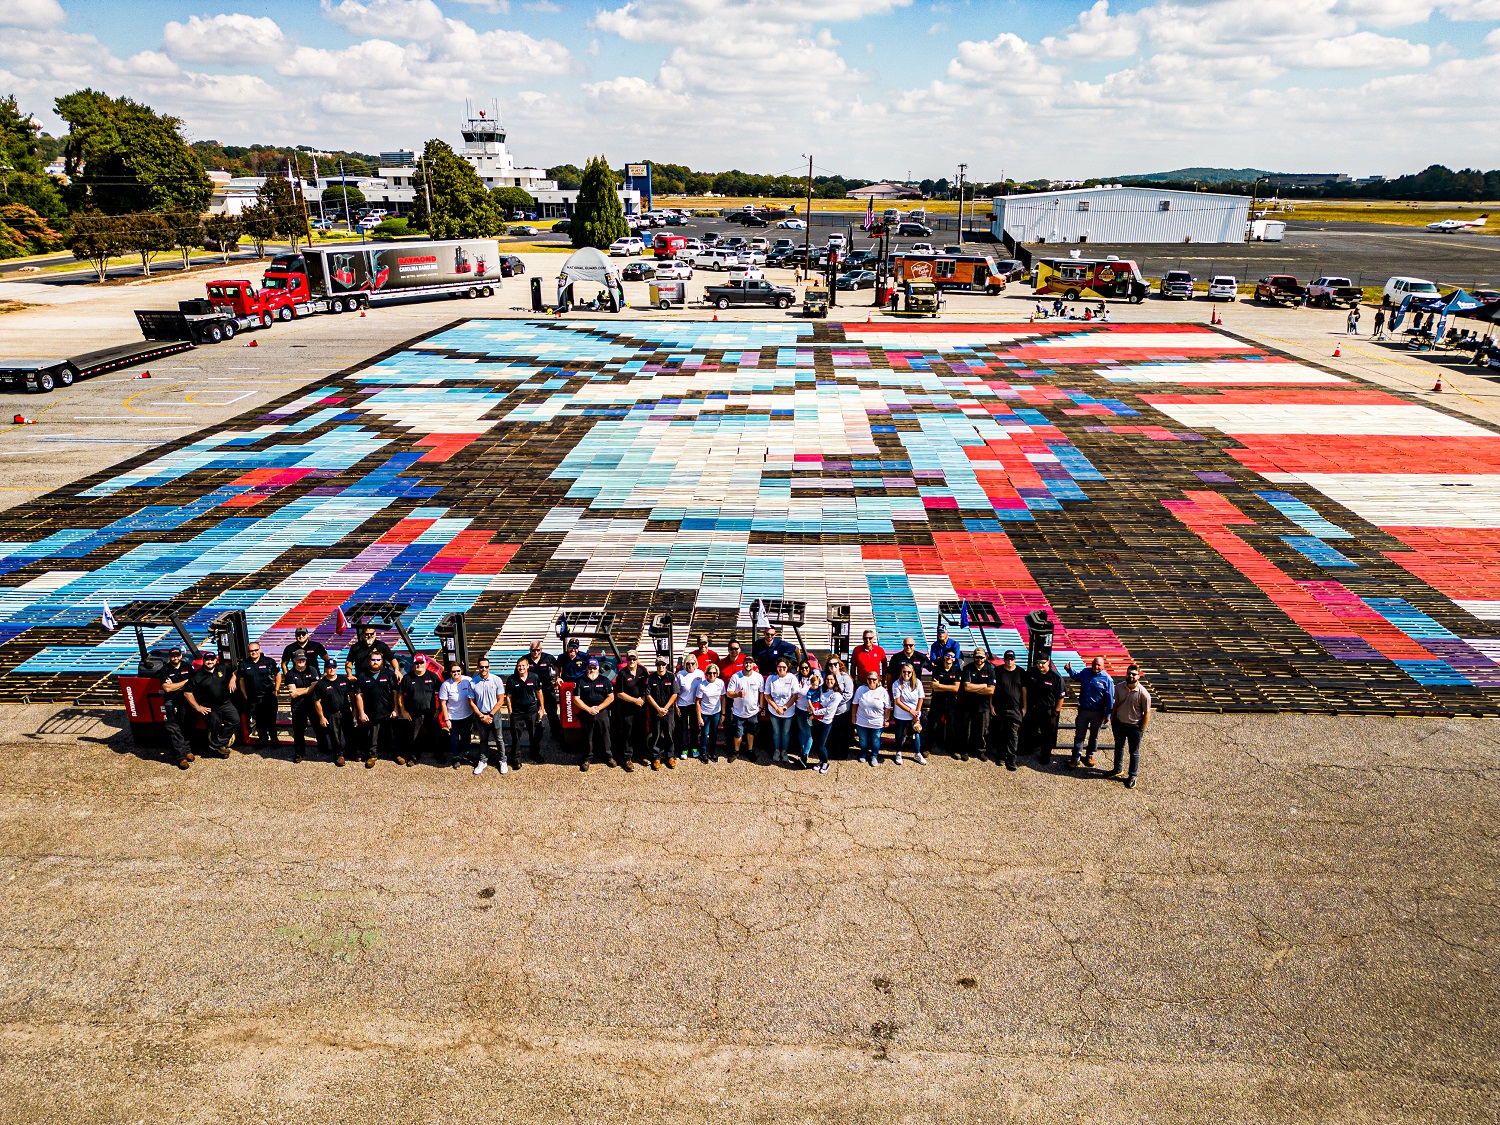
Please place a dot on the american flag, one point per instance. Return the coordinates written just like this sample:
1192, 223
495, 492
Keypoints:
869, 213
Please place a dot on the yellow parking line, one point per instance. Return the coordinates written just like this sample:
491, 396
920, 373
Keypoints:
148, 413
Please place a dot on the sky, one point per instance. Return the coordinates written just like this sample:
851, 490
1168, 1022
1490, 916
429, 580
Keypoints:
871, 88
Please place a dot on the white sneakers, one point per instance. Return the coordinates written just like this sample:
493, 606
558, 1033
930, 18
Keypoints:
898, 757
823, 768
479, 769
921, 758
504, 766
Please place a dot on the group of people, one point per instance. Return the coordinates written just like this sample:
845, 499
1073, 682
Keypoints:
802, 711
1064, 311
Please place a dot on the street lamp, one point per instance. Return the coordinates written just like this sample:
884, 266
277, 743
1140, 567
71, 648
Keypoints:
1253, 188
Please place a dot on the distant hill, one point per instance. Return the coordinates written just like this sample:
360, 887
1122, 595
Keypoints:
1204, 175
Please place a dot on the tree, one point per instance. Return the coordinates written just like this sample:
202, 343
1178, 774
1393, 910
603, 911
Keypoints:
225, 232
121, 157
23, 232
148, 234
334, 196
568, 176
598, 217
284, 206
461, 206
512, 199
95, 238
258, 222
22, 178
187, 234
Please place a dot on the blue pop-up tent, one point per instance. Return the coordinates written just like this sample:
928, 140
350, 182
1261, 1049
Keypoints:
1417, 305
1459, 301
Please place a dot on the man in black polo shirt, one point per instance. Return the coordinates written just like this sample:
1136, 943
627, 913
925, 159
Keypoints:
1009, 707
300, 682
593, 695
1045, 693
331, 705
661, 691
908, 655
524, 687
317, 655
174, 676
419, 693
208, 692
544, 664
977, 689
629, 709
358, 657
260, 683
375, 705
947, 728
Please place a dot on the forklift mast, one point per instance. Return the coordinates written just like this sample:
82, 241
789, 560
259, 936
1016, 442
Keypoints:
141, 616
382, 615
781, 614
450, 632
659, 629
588, 625
974, 615
230, 635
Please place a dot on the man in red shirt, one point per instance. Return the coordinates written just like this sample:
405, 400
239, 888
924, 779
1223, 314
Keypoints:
868, 657
705, 655
732, 663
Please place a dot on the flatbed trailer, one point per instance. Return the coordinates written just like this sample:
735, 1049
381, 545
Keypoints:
43, 375
198, 321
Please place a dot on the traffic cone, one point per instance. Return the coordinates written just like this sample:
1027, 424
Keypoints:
1438, 386
144, 375
1336, 352
22, 420
361, 312
716, 318
253, 344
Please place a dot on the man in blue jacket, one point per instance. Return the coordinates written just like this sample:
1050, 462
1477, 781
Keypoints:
1096, 700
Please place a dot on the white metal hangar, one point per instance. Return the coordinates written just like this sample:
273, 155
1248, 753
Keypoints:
1118, 215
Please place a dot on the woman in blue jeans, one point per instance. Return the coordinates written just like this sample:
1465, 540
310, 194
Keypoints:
823, 699
780, 694
802, 718
708, 699
872, 709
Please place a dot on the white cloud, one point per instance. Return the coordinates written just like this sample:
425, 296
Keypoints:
1385, 13
31, 13
545, 7
1095, 36
388, 19
1492, 40
937, 29
1363, 49
229, 37
1470, 9
500, 7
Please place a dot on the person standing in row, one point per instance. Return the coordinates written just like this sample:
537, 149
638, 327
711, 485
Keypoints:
689, 727
907, 656
545, 666
868, 657
744, 693
1009, 710
331, 709
629, 709
592, 696
944, 726
573, 668
524, 686
771, 648
375, 705
943, 644
872, 709
174, 676
208, 693
906, 708
823, 704
486, 692
661, 706
1132, 711
260, 684
1380, 324
976, 697
708, 703
1096, 700
841, 737
454, 703
731, 664
704, 656
419, 692
317, 656
1045, 693
802, 713
781, 708
300, 682
357, 659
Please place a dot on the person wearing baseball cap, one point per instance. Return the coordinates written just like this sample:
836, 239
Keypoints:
317, 656
208, 692
593, 696
661, 709
1009, 708
174, 676
975, 696
300, 682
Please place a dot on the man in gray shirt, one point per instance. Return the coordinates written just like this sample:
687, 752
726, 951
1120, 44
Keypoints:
1131, 713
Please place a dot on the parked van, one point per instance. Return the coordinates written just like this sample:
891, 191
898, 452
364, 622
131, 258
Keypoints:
1397, 289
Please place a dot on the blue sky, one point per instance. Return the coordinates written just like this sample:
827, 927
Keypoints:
870, 87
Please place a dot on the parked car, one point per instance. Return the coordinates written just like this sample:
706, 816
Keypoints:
753, 220
736, 243
837, 240
625, 247
1487, 295
322, 224
780, 259
1397, 289
1010, 268
792, 224
715, 258
674, 269
527, 231
1279, 289
511, 265
562, 225
857, 279
1177, 285
688, 250
638, 271
951, 249
913, 230
1223, 288
921, 248
710, 237
760, 243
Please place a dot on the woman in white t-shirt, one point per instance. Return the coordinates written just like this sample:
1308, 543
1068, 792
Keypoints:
780, 694
906, 711
841, 738
802, 724
688, 677
872, 709
708, 702
823, 700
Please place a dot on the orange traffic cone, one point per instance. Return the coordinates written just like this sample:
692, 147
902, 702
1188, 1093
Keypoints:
716, 318
361, 312
144, 375
253, 344
1335, 351
22, 420
1438, 386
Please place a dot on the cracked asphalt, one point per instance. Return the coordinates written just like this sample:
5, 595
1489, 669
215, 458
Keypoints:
1292, 918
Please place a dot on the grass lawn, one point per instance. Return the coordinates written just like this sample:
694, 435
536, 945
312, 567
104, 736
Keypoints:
1384, 211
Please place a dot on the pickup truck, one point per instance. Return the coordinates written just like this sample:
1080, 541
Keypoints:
752, 291
1330, 291
1279, 289
1177, 284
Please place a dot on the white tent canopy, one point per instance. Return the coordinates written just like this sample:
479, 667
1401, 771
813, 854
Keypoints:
589, 264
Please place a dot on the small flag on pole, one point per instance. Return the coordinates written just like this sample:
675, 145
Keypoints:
761, 620
963, 614
340, 622
869, 213
107, 619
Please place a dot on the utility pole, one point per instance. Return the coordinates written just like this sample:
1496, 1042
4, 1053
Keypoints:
807, 227
962, 168
427, 190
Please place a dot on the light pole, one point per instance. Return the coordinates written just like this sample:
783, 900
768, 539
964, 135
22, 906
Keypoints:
1253, 188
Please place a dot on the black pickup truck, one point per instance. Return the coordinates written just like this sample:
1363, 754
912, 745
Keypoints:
751, 291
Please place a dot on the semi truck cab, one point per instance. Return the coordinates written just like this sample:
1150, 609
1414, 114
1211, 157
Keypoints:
242, 299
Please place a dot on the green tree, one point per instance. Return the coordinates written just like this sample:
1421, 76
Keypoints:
148, 234
282, 202
568, 176
22, 179
95, 237
334, 196
23, 232
258, 222
187, 234
121, 157
461, 206
598, 217
512, 199
225, 231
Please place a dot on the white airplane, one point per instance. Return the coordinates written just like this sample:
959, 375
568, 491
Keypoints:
1451, 226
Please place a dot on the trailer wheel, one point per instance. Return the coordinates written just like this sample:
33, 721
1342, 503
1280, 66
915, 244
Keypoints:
284, 313
1071, 294
472, 293
45, 382
489, 290
665, 306
215, 333
65, 376
229, 330
337, 305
